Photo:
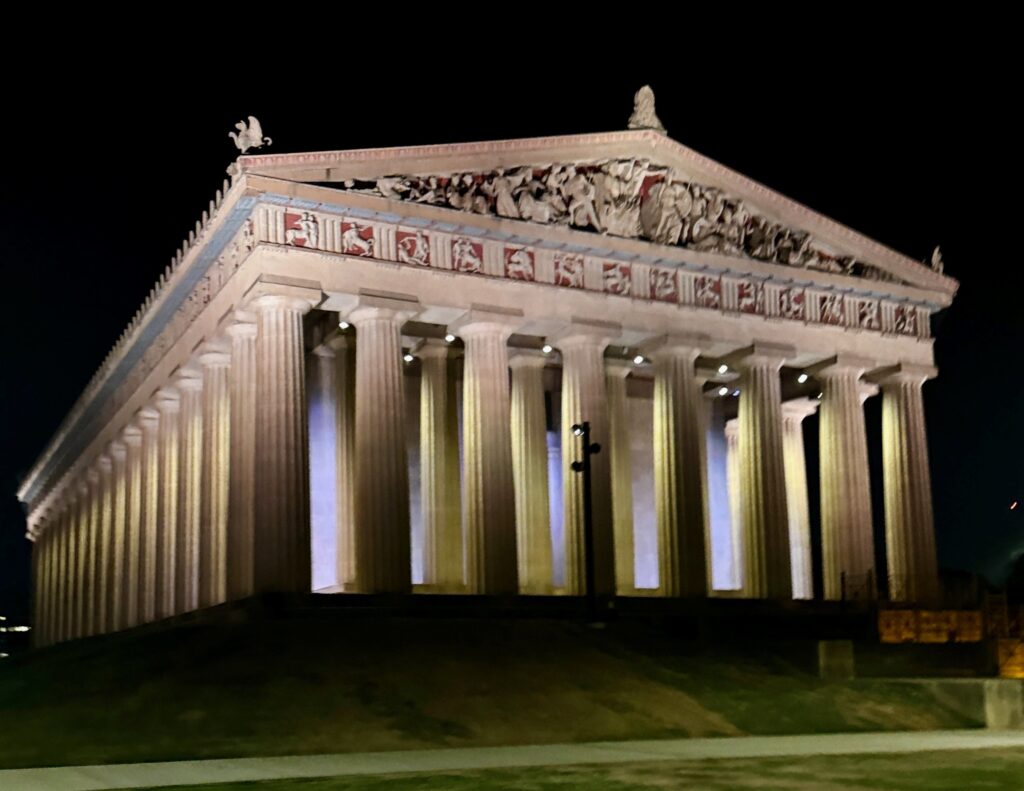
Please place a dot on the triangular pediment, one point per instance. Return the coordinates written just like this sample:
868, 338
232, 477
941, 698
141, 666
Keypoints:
636, 185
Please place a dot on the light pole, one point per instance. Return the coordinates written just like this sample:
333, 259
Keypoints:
582, 430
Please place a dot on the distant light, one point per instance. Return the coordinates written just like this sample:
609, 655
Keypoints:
1013, 505
547, 348
408, 358
735, 393
4, 656
577, 430
343, 325
723, 391
638, 360
19, 629
723, 368
449, 338
819, 395
801, 379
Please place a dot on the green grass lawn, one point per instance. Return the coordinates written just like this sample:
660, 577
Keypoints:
993, 770
299, 687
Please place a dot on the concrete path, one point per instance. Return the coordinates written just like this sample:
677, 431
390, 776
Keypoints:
93, 778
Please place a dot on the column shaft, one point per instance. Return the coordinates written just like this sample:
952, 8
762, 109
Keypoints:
909, 522
439, 500
793, 414
383, 563
118, 534
169, 405
621, 464
242, 463
129, 585
149, 421
215, 477
762, 480
190, 486
847, 535
584, 398
678, 473
345, 461
732, 438
282, 552
530, 472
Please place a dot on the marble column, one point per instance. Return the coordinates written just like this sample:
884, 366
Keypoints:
439, 499
383, 560
584, 398
63, 579
847, 535
92, 564
104, 544
149, 526
793, 414
282, 532
621, 464
530, 471
118, 536
763, 502
242, 457
79, 538
679, 470
168, 404
732, 439
909, 522
43, 546
189, 383
488, 494
129, 584
345, 464
214, 359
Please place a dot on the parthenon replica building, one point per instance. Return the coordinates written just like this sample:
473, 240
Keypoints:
361, 372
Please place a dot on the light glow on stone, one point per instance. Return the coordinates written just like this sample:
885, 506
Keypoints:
449, 338
408, 358
723, 368
638, 360
801, 379
343, 325
735, 393
547, 348
723, 391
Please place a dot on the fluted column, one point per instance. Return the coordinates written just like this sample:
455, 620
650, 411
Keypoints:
282, 535
530, 471
621, 464
383, 563
44, 544
118, 536
762, 477
242, 461
149, 524
92, 551
793, 414
732, 439
909, 523
104, 557
214, 360
78, 562
345, 461
679, 470
189, 384
168, 404
129, 584
584, 398
847, 536
439, 500
488, 496
63, 578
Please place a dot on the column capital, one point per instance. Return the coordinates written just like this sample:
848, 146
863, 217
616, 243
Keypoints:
619, 368
93, 475
148, 417
118, 450
487, 320
676, 344
866, 390
431, 348
82, 487
188, 378
799, 408
903, 373
371, 306
841, 365
340, 341
759, 353
290, 294
242, 324
527, 358
168, 399
585, 332
732, 428
105, 463
132, 436
214, 354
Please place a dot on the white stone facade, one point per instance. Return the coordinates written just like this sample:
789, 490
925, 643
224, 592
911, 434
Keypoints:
316, 295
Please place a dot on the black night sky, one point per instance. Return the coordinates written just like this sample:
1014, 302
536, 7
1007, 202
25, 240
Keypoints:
107, 165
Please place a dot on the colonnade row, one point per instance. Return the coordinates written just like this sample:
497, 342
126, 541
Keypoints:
205, 495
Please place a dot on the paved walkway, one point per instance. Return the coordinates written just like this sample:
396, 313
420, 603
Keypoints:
94, 778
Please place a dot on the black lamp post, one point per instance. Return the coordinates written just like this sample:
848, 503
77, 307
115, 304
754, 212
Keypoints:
582, 430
